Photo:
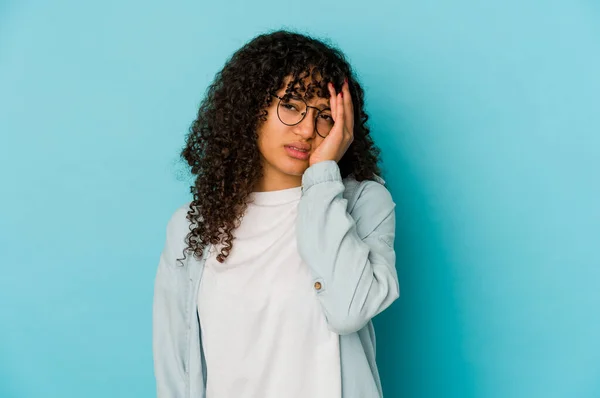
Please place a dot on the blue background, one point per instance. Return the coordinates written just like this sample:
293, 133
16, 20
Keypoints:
489, 119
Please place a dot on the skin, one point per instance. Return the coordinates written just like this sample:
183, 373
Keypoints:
280, 170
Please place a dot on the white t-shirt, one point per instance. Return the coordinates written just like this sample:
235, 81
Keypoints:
263, 332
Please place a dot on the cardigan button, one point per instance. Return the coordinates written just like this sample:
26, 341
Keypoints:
318, 285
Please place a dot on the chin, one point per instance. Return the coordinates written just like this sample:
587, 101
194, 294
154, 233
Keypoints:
294, 167
298, 171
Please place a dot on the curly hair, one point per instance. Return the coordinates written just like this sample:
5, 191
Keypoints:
221, 147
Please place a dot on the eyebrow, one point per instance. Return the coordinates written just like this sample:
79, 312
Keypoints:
320, 106
323, 106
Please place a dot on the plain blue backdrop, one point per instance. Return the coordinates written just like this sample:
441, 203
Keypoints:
489, 119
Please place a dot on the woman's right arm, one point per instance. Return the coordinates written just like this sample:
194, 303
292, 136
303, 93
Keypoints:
169, 343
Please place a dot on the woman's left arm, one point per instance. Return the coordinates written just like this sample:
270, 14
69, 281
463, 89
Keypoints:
352, 258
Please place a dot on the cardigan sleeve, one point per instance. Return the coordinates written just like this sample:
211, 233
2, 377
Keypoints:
351, 257
169, 347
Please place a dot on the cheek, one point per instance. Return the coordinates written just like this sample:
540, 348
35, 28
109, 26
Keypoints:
269, 137
273, 130
318, 141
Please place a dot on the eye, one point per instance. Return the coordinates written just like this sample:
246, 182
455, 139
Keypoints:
292, 105
288, 106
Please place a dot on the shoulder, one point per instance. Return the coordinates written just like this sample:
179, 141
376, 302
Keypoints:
368, 194
374, 199
178, 225
369, 204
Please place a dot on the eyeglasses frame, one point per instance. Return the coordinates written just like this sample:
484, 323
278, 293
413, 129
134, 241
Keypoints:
304, 116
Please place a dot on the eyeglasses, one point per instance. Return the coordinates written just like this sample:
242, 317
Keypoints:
293, 111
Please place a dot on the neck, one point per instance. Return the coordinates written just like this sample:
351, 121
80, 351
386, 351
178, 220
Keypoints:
275, 180
270, 184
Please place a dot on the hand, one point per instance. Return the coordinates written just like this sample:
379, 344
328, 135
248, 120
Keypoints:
335, 145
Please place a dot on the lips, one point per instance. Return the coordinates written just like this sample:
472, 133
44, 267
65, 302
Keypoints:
295, 153
299, 145
296, 148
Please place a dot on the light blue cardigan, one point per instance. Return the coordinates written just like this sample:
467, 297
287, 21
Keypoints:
345, 234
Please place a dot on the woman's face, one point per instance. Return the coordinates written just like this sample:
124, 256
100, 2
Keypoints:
282, 167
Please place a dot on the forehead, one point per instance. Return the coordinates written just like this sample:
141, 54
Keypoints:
306, 86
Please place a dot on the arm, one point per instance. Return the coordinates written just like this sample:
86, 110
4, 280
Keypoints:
354, 261
168, 315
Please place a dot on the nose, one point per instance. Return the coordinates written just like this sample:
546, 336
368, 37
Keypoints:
307, 128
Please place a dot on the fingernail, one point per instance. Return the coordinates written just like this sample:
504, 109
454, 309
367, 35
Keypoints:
342, 93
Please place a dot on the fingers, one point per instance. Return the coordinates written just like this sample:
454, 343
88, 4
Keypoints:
341, 107
348, 106
332, 100
340, 99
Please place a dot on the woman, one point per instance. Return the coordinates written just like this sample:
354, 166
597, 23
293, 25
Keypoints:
285, 167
